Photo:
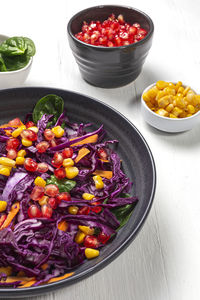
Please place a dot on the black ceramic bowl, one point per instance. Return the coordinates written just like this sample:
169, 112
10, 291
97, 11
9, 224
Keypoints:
136, 158
110, 67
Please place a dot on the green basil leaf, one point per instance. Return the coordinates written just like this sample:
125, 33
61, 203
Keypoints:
50, 105
64, 185
2, 64
13, 63
13, 46
123, 213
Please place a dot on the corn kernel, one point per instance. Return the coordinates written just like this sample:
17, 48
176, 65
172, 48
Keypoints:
160, 95
180, 90
80, 236
26, 143
71, 172
18, 131
21, 153
169, 107
86, 229
98, 182
63, 225
91, 253
34, 128
40, 181
87, 196
152, 93
68, 162
190, 109
58, 131
3, 205
5, 161
177, 111
169, 91
20, 160
6, 270
73, 210
186, 90
145, 97
197, 99
161, 84
9, 168
162, 112
189, 115
164, 101
172, 116
190, 96
43, 200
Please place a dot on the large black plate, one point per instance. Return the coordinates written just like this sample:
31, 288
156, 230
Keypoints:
137, 160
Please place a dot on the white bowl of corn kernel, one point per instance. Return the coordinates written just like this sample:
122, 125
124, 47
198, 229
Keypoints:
170, 107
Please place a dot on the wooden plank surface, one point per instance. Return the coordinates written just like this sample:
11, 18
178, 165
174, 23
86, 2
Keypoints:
163, 263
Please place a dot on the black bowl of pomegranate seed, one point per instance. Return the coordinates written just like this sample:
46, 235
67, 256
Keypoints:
110, 43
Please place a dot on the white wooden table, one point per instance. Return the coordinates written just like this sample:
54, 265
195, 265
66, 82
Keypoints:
164, 260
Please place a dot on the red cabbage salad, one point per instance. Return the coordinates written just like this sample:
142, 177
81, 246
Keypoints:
63, 195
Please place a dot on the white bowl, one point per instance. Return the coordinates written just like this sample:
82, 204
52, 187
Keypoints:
164, 123
14, 78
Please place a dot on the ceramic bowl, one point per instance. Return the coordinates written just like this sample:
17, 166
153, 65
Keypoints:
110, 67
164, 123
14, 78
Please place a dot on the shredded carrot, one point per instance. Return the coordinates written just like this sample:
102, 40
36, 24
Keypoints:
60, 277
104, 160
14, 210
4, 125
105, 174
28, 283
8, 132
44, 266
89, 140
62, 225
81, 153
23, 280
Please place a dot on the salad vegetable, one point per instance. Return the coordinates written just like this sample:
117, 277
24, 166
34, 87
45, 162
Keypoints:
15, 53
63, 195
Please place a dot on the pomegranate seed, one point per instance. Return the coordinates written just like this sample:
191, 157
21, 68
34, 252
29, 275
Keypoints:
65, 196
29, 135
42, 167
51, 190
49, 135
47, 211
29, 124
12, 144
42, 146
60, 173
67, 152
34, 211
52, 143
102, 154
137, 25
37, 193
57, 160
53, 203
30, 165
103, 238
84, 210
120, 19
132, 30
15, 122
12, 154
91, 241
96, 209
110, 44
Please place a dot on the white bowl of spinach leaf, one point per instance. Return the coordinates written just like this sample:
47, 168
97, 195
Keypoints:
16, 56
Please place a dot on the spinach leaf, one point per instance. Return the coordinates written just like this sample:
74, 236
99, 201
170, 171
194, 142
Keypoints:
64, 185
30, 47
2, 64
13, 63
51, 105
13, 46
123, 213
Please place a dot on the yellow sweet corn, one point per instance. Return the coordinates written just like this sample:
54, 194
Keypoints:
91, 253
5, 161
162, 112
58, 131
5, 171
71, 172
190, 109
20, 160
40, 181
80, 236
86, 229
73, 210
87, 196
21, 153
68, 162
98, 182
161, 84
26, 143
18, 131
3, 205
34, 128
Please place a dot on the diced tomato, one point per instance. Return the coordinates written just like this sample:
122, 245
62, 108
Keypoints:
53, 202
57, 160
12, 143
103, 238
60, 173
34, 212
29, 135
65, 196
47, 211
29, 124
42, 146
85, 210
30, 165
102, 154
67, 152
96, 209
15, 122
37, 193
49, 135
42, 167
91, 241
51, 190
12, 154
